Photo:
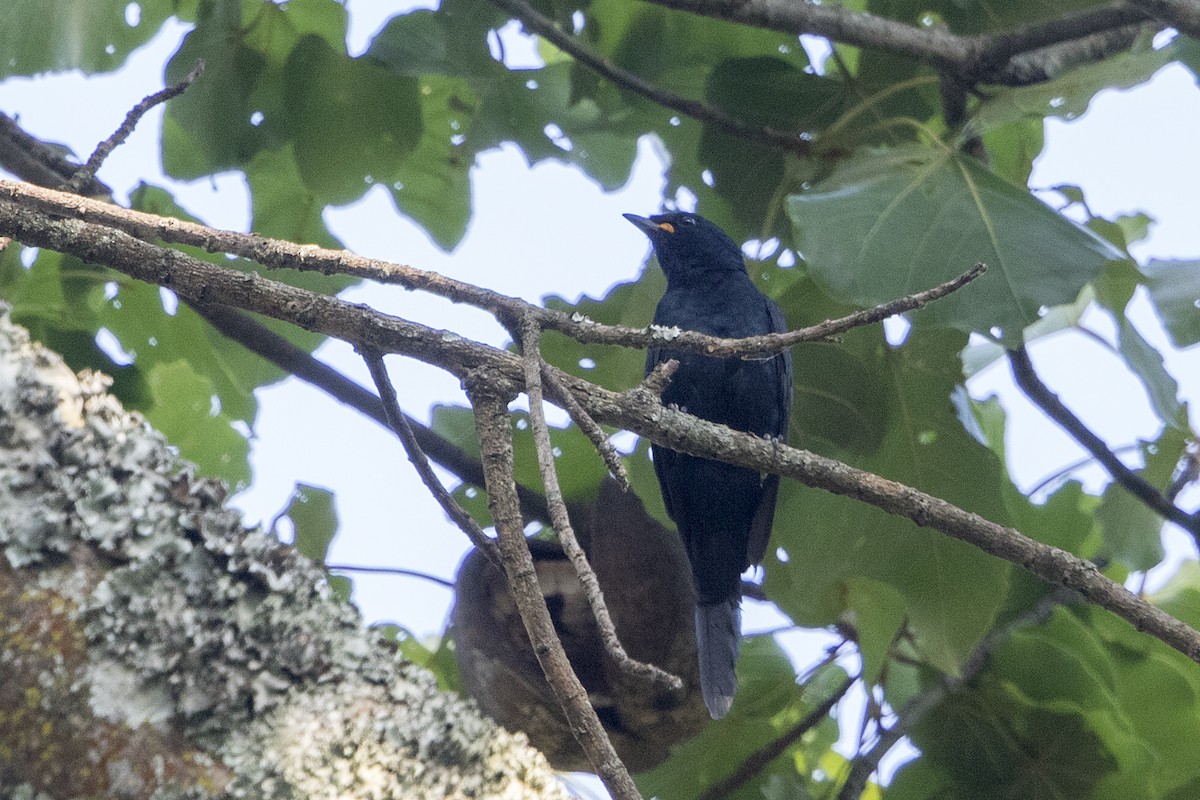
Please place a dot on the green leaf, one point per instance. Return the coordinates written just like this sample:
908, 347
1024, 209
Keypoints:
768, 703
887, 224
352, 120
1069, 94
184, 411
952, 590
1131, 530
1175, 289
314, 517
209, 127
878, 615
38, 36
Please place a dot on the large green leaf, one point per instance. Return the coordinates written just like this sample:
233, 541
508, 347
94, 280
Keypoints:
952, 590
38, 36
313, 513
1175, 288
894, 222
1131, 530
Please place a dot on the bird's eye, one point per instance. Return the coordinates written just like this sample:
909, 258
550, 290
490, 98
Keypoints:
688, 221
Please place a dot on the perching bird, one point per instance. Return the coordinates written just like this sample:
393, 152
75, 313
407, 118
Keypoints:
723, 512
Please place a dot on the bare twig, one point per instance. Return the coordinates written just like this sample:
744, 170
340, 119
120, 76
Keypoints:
276, 254
495, 440
84, 174
31, 159
757, 761
1027, 378
264, 342
408, 573
542, 25
639, 410
532, 358
608, 453
399, 425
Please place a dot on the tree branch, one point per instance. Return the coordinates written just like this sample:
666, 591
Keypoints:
986, 58
276, 254
1027, 378
532, 359
495, 440
399, 425
638, 410
84, 175
1181, 14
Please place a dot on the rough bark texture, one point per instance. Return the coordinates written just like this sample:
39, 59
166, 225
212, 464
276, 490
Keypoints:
152, 647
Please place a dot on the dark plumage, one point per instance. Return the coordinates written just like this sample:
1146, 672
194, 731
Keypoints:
723, 512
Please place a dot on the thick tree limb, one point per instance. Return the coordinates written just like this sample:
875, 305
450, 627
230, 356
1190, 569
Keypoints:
1027, 378
985, 58
638, 410
495, 440
1181, 14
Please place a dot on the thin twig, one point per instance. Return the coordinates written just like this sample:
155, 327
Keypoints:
639, 410
266, 343
608, 453
84, 174
542, 25
399, 425
1027, 378
864, 764
409, 573
560, 520
277, 254
757, 761
495, 440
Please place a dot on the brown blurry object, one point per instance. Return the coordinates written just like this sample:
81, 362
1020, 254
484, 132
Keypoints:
644, 575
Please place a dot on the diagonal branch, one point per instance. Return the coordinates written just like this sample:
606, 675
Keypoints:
1027, 378
532, 359
84, 175
638, 410
495, 441
399, 425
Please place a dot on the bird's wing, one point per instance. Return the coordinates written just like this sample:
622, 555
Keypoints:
781, 365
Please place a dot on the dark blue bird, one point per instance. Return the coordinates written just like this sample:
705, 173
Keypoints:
723, 512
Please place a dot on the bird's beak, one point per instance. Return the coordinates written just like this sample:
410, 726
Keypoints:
648, 226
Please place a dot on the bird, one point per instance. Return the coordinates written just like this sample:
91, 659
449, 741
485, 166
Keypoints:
723, 512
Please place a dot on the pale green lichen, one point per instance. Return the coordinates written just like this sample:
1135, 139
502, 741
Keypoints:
223, 632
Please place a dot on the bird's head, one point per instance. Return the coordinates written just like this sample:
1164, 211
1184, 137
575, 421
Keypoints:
687, 244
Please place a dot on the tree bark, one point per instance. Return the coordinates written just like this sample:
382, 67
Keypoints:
149, 643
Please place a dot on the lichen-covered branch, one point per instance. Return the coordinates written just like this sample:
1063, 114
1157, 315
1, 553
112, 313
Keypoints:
151, 646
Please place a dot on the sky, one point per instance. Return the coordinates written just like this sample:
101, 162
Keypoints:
550, 230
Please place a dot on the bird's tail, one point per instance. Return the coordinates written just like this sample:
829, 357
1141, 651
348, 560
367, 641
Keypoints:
718, 634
